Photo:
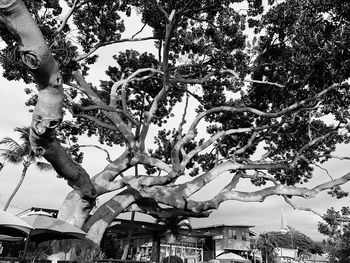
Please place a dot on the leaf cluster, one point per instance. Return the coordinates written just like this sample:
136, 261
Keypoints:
337, 229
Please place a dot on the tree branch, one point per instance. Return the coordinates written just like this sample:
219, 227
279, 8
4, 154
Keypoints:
108, 158
113, 117
68, 15
116, 41
166, 79
96, 121
138, 32
288, 201
288, 109
175, 152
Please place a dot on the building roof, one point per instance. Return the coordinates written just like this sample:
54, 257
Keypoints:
52, 212
140, 228
223, 225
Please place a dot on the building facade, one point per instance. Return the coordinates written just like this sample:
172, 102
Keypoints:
148, 242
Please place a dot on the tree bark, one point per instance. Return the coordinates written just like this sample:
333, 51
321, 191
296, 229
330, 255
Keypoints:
48, 113
105, 214
128, 241
24, 172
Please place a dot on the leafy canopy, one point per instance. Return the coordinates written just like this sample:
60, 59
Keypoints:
275, 105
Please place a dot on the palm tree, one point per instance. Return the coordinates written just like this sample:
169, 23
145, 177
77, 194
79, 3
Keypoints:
16, 153
266, 245
172, 226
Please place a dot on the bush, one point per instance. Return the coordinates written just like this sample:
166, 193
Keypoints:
90, 256
173, 259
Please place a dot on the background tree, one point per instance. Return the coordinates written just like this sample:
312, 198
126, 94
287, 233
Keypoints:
16, 153
336, 227
172, 227
262, 108
294, 239
266, 245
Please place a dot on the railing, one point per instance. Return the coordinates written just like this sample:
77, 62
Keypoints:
120, 261
9, 260
16, 260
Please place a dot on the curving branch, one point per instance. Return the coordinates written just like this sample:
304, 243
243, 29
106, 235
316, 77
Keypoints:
177, 196
175, 153
263, 82
307, 209
286, 110
108, 158
105, 180
214, 138
161, 9
96, 121
132, 77
138, 32
225, 71
166, 79
67, 16
116, 41
150, 207
113, 117
334, 182
260, 195
248, 145
102, 106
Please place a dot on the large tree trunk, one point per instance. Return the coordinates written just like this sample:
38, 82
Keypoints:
95, 226
105, 214
48, 113
24, 172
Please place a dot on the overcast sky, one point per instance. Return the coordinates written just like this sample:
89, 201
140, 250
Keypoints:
45, 190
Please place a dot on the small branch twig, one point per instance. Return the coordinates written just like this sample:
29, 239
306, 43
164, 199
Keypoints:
116, 41
68, 15
288, 201
108, 158
138, 32
96, 121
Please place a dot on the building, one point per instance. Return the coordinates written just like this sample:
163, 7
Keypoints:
149, 242
286, 255
234, 239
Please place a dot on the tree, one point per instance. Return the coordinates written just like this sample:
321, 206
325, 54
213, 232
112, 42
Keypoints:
263, 103
174, 224
295, 240
267, 246
17, 153
336, 227
172, 227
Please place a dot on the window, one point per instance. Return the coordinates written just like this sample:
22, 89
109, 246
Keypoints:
245, 236
232, 234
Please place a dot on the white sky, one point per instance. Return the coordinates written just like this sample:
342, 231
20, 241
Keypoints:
45, 190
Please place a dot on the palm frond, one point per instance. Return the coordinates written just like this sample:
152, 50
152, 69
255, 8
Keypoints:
11, 156
24, 133
175, 223
22, 150
42, 166
26, 148
10, 144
